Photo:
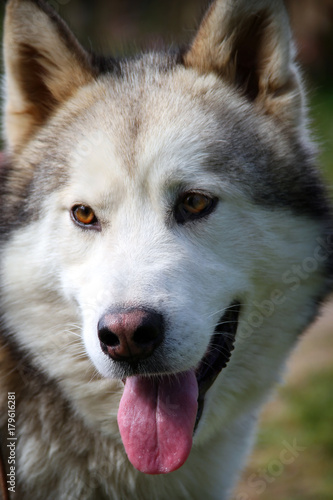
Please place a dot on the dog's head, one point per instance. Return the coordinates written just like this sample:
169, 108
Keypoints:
161, 206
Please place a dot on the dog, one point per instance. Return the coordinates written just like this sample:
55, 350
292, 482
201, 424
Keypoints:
165, 239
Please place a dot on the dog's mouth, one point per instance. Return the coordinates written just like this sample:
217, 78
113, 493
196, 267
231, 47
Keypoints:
217, 355
158, 416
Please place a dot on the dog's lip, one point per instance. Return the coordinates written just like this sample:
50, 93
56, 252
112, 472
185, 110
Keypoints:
218, 353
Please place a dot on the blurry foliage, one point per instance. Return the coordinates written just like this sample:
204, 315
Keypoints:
303, 415
120, 25
312, 23
321, 111
312, 407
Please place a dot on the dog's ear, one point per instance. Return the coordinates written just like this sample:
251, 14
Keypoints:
248, 43
44, 66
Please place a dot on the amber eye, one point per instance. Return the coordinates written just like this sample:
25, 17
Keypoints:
84, 215
194, 206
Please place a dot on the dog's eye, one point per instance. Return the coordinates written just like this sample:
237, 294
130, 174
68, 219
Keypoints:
84, 216
194, 206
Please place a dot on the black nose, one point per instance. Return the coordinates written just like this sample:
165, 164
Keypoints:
130, 335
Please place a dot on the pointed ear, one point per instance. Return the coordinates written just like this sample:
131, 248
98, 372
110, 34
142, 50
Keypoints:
44, 66
248, 43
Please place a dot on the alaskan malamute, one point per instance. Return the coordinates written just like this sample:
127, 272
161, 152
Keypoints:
165, 239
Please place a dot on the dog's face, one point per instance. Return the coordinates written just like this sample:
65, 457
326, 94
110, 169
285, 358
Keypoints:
140, 217
159, 210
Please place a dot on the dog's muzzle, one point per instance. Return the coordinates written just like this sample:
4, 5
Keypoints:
158, 414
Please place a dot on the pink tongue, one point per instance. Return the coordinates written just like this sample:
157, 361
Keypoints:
156, 418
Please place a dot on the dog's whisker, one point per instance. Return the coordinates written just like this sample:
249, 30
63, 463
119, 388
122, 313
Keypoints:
219, 312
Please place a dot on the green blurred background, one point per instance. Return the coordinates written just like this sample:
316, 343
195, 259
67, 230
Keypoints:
300, 417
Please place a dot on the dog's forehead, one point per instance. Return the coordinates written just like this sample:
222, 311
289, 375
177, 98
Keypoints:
145, 126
